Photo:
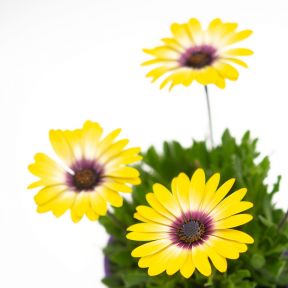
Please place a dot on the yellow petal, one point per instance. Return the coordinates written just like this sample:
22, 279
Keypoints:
236, 61
125, 172
146, 236
161, 260
157, 206
113, 150
227, 29
238, 52
63, 203
235, 197
196, 189
150, 248
163, 52
152, 215
111, 196
59, 204
160, 60
176, 261
48, 193
223, 247
233, 221
129, 180
148, 227
61, 146
195, 30
210, 189
127, 156
234, 235
188, 267
107, 141
181, 190
183, 76
233, 209
200, 260
81, 203
219, 195
156, 73
236, 37
182, 34
118, 187
74, 216
226, 70
220, 83
97, 202
47, 169
168, 200
91, 214
218, 261
214, 25
91, 135
139, 217
173, 43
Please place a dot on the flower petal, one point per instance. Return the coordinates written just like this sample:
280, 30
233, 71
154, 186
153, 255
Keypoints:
200, 260
196, 189
234, 235
188, 267
233, 221
150, 248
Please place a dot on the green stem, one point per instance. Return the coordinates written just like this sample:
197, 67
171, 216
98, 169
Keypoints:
116, 220
209, 116
283, 221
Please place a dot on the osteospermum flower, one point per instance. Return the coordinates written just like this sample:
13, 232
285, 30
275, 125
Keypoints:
195, 54
190, 227
93, 173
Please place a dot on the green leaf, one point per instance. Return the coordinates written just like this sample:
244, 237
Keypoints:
258, 261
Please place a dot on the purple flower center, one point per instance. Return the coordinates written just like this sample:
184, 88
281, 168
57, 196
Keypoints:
85, 179
87, 175
198, 57
191, 229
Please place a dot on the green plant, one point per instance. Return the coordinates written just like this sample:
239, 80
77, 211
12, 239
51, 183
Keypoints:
264, 265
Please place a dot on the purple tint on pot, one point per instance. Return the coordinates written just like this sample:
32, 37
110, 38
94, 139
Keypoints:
107, 264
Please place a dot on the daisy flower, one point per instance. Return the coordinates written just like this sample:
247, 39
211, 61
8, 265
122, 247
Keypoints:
197, 54
93, 172
191, 227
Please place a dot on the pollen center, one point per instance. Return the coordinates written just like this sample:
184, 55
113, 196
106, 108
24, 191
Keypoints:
191, 231
86, 179
199, 59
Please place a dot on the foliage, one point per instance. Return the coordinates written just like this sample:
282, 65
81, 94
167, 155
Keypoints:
264, 265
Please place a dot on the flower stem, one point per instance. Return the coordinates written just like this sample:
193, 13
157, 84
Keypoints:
283, 220
209, 116
116, 220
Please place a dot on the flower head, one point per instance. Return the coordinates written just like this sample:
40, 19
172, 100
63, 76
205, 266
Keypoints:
191, 226
93, 172
195, 54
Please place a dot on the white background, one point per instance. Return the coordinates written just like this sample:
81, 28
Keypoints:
62, 62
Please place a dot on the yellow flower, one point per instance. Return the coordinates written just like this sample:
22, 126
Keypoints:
197, 54
190, 226
93, 172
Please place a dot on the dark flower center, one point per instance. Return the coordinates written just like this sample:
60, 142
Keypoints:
191, 231
86, 179
199, 59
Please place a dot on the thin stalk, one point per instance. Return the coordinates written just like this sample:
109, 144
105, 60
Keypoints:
283, 221
116, 221
209, 116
